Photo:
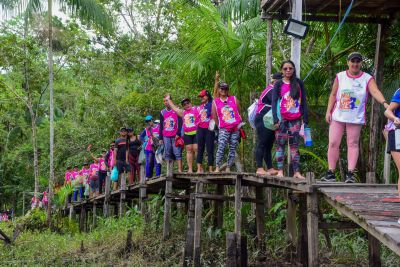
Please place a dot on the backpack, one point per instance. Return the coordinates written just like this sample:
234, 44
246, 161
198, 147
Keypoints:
251, 113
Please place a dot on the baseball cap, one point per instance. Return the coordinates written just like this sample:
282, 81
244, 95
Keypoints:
185, 100
277, 76
355, 55
203, 93
148, 118
223, 85
122, 129
157, 121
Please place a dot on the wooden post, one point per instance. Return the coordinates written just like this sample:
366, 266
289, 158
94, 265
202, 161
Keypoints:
219, 208
71, 211
106, 208
238, 216
82, 219
302, 245
387, 160
167, 203
374, 251
268, 58
94, 214
375, 121
260, 215
197, 224
291, 228
142, 192
312, 223
231, 253
23, 203
371, 179
296, 42
122, 195
189, 244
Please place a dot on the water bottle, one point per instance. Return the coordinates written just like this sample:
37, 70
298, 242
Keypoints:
307, 136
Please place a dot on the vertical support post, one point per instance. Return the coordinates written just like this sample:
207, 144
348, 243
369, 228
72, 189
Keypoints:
82, 219
219, 205
142, 192
94, 214
260, 215
71, 211
268, 59
374, 134
374, 251
297, 9
238, 217
231, 253
23, 203
302, 245
291, 228
189, 244
312, 223
386, 163
198, 209
106, 208
122, 195
167, 203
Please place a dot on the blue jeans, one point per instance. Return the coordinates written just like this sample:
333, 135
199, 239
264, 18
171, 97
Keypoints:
150, 162
171, 151
81, 190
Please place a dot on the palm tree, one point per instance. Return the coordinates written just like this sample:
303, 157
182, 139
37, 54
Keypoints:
88, 10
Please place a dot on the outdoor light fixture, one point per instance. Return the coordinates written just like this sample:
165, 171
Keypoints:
296, 28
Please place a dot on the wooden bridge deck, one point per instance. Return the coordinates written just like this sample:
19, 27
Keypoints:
371, 206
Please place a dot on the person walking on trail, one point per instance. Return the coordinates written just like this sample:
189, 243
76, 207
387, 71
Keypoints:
120, 156
393, 114
134, 145
190, 116
289, 97
347, 111
225, 112
150, 141
265, 136
205, 137
170, 131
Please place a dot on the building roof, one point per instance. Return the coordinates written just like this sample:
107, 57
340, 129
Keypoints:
363, 11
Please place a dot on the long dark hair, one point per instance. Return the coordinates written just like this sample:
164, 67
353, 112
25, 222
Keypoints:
294, 85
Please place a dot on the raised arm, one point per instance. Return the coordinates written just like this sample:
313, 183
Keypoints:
175, 108
376, 93
331, 101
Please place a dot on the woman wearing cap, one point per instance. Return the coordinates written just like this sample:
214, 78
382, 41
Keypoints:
134, 146
120, 155
347, 111
190, 116
225, 112
265, 136
289, 97
205, 137
148, 137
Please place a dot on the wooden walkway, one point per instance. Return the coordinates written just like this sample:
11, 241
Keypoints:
370, 206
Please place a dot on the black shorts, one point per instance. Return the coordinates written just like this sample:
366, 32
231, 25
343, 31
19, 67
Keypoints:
392, 142
122, 166
190, 139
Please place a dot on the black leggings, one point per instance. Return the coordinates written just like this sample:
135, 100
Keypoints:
265, 142
205, 139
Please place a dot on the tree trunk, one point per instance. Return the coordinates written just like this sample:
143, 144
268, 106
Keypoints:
51, 89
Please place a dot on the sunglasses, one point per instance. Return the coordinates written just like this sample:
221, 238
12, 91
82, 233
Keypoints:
186, 103
355, 61
288, 68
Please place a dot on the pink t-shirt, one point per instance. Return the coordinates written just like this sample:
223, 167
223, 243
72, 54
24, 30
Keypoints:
111, 159
74, 174
203, 118
156, 130
290, 108
227, 112
170, 127
260, 104
68, 176
190, 120
102, 164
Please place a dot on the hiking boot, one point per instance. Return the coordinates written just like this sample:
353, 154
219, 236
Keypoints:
349, 178
329, 177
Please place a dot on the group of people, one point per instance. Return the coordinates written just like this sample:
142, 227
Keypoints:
37, 202
217, 118
6, 215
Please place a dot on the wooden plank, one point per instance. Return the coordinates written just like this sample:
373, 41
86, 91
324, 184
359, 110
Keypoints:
106, 208
312, 224
197, 226
260, 216
302, 245
189, 242
337, 225
291, 228
374, 251
122, 195
82, 220
94, 222
361, 220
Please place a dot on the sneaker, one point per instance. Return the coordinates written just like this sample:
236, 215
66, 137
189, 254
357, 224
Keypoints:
329, 177
349, 178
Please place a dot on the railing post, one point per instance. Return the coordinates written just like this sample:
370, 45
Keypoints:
167, 203
312, 222
106, 207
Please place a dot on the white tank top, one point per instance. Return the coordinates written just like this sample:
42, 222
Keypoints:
351, 98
